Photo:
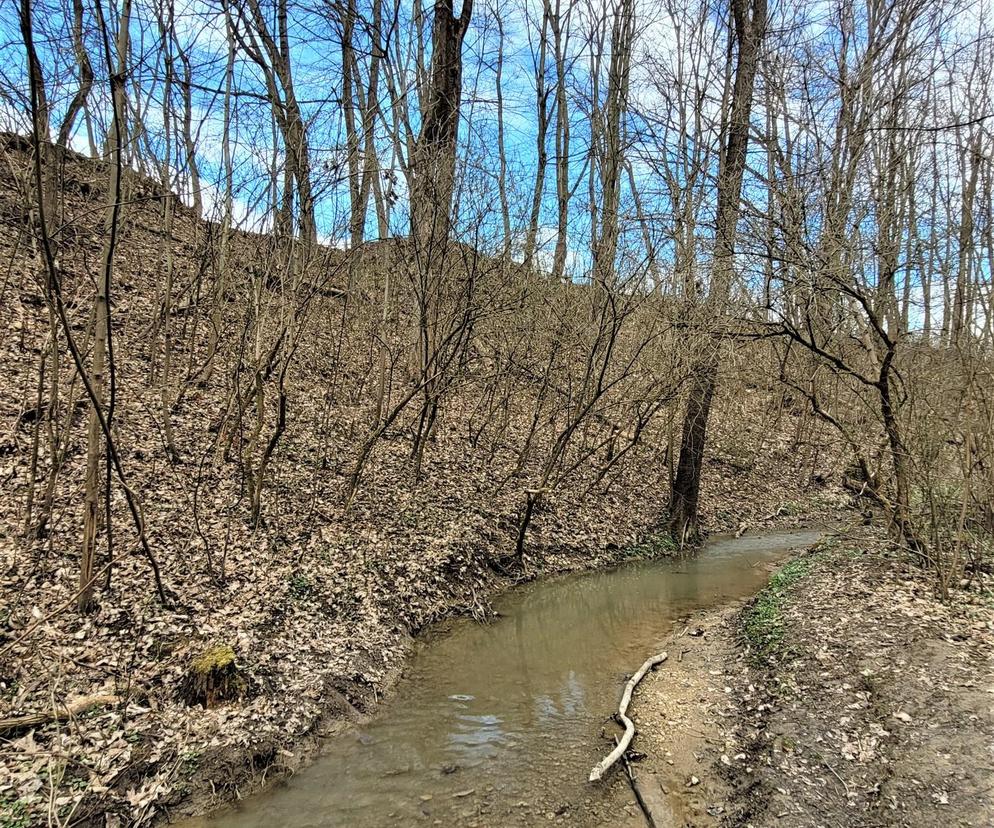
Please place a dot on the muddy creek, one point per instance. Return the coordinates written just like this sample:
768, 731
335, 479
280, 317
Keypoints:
500, 723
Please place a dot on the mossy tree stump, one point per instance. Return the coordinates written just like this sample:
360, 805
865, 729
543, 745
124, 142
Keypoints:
212, 678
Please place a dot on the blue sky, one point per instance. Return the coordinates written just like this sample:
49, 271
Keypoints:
665, 49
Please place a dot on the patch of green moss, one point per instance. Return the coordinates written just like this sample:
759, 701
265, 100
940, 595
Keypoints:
212, 677
763, 622
216, 658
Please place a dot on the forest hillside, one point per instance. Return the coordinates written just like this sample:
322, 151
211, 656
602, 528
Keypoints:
321, 322
315, 594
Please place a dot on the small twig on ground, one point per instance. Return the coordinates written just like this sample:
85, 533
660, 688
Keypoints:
835, 773
635, 789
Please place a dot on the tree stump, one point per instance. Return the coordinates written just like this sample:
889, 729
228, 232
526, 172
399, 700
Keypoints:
212, 678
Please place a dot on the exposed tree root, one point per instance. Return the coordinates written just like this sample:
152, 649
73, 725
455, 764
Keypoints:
58, 714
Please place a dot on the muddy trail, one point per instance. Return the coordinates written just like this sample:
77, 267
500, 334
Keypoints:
500, 723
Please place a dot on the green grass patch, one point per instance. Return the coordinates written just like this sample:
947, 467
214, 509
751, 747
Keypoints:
655, 545
190, 762
300, 586
764, 620
13, 812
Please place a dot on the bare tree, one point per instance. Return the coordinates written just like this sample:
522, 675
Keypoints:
271, 52
78, 103
749, 19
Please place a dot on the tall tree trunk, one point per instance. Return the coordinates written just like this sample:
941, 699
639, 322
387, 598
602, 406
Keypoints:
613, 152
433, 165
559, 40
190, 147
750, 25
350, 79
274, 59
369, 106
962, 306
434, 160
101, 324
541, 135
167, 35
505, 211
85, 76
432, 176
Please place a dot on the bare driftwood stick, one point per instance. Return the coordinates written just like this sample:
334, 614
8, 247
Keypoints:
626, 699
67, 711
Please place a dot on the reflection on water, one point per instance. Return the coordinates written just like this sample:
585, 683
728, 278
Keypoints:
474, 738
490, 716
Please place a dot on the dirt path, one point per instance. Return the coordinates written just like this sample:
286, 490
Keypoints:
845, 695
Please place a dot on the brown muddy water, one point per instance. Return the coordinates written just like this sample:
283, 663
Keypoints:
499, 724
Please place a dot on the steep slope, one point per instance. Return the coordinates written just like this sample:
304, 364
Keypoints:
315, 601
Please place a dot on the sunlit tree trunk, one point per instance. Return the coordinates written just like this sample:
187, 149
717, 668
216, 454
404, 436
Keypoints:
542, 95
101, 317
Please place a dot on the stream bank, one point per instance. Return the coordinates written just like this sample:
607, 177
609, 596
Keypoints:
844, 694
318, 602
321, 616
310, 675
500, 723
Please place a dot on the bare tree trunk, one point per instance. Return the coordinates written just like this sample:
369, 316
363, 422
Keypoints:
369, 104
167, 35
224, 255
101, 324
432, 175
560, 39
85, 76
435, 150
613, 153
274, 59
541, 137
350, 79
505, 211
962, 315
652, 261
190, 147
750, 25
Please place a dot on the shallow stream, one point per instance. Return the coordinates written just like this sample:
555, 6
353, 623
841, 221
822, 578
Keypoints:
500, 723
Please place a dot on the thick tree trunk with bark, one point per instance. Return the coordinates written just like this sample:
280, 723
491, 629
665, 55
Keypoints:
750, 25
687, 484
432, 179
434, 162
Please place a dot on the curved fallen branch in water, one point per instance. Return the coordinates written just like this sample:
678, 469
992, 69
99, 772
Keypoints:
626, 698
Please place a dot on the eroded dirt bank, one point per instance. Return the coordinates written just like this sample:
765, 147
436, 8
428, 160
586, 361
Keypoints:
845, 694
